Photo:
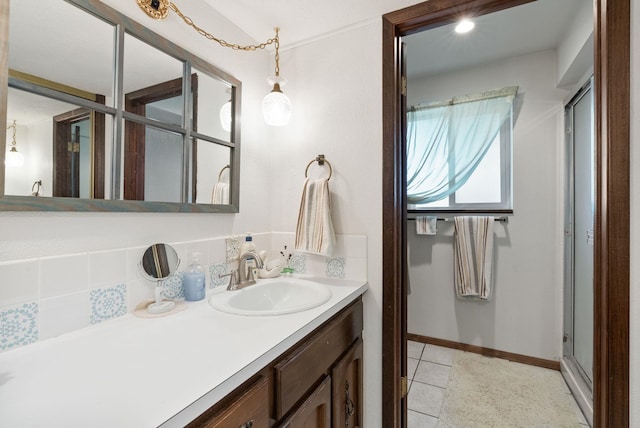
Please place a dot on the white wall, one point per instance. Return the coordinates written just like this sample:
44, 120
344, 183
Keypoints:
335, 87
524, 314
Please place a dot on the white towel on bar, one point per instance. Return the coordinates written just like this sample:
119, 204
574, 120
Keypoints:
314, 233
473, 250
220, 194
426, 225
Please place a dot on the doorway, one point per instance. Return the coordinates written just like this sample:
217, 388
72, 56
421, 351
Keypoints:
78, 153
611, 238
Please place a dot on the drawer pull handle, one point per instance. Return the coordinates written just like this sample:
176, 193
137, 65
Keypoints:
349, 407
247, 424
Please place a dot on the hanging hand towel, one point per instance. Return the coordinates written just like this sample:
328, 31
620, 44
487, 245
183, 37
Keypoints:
314, 233
473, 250
426, 225
220, 193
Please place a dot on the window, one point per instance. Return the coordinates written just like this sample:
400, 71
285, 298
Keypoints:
459, 155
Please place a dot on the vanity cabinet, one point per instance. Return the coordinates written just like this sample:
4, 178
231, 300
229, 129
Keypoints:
315, 411
315, 383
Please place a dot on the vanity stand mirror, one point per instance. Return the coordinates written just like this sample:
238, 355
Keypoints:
158, 263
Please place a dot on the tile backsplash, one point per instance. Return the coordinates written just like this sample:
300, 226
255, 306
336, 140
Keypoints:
46, 297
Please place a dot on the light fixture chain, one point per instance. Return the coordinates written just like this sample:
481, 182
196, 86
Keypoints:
224, 43
277, 42
13, 129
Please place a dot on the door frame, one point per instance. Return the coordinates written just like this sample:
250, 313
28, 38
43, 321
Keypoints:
612, 219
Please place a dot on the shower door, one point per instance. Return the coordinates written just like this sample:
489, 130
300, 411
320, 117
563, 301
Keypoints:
579, 240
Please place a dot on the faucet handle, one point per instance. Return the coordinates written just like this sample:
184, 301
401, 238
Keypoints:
233, 279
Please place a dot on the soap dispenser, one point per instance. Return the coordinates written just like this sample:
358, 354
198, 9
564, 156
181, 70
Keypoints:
194, 280
248, 246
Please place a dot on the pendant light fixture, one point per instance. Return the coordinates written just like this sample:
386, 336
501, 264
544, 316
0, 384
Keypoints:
276, 106
13, 157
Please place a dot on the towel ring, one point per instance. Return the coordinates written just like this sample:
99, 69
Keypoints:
321, 161
221, 171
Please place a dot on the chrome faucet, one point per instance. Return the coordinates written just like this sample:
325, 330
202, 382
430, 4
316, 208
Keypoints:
245, 275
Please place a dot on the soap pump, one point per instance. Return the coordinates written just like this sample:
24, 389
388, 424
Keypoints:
194, 280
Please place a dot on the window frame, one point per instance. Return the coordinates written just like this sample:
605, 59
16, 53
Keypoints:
505, 207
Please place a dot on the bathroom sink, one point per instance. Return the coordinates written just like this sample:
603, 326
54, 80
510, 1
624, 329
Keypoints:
272, 297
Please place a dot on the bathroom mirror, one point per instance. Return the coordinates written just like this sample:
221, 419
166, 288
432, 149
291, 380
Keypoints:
159, 261
127, 122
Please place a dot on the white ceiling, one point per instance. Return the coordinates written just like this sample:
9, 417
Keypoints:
528, 28
300, 20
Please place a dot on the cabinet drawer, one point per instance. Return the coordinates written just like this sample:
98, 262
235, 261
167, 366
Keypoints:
298, 372
249, 409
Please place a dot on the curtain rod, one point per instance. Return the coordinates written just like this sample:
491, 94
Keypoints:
494, 93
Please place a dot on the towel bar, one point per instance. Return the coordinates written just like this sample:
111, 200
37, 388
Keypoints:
502, 219
222, 170
321, 161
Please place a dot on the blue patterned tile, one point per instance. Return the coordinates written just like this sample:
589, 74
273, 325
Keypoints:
214, 273
335, 267
18, 326
172, 287
233, 248
298, 263
107, 303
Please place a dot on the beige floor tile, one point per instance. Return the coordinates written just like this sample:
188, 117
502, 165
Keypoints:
414, 349
432, 374
420, 420
412, 365
438, 354
425, 398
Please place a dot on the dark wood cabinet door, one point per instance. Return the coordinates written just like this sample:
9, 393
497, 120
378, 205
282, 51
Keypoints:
346, 384
315, 411
249, 410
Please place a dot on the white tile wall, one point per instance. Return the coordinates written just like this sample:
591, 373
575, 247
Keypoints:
19, 282
63, 275
107, 268
44, 298
75, 310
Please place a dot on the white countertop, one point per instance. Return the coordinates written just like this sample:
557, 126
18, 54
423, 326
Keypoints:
138, 372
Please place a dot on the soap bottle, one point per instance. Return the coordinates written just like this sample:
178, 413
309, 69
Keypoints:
249, 247
194, 280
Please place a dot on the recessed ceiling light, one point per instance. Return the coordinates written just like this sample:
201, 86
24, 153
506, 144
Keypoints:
464, 26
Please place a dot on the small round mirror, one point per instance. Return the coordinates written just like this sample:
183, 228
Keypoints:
159, 261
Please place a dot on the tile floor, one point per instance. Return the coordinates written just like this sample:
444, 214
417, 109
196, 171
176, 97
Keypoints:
428, 371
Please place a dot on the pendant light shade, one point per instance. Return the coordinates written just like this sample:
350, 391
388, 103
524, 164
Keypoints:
276, 107
225, 116
13, 158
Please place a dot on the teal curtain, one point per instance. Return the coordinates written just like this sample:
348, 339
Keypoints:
446, 141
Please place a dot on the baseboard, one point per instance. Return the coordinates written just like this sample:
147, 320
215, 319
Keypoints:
487, 352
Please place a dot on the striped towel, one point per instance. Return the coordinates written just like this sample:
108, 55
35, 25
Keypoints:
426, 225
473, 252
314, 233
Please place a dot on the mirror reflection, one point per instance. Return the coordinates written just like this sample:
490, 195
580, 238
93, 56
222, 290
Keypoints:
159, 261
61, 95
